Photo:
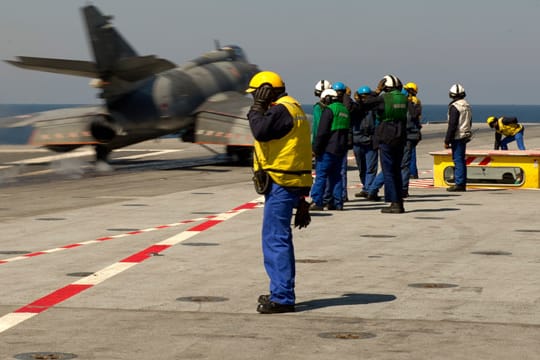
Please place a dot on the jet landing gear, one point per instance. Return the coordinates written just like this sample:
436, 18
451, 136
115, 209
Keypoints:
102, 158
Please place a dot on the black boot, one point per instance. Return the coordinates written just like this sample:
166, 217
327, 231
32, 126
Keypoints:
373, 197
274, 308
264, 299
394, 208
454, 188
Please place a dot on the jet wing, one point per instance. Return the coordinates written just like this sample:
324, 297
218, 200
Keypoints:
67, 127
58, 66
222, 119
129, 69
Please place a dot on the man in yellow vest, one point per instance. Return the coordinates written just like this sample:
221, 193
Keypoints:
510, 128
282, 149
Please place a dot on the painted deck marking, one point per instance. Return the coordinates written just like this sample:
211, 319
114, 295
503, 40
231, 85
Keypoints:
60, 295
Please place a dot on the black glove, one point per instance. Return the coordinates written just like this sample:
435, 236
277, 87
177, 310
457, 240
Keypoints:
262, 97
302, 217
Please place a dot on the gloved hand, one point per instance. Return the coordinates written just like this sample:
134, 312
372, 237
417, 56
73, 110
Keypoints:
302, 218
262, 97
380, 86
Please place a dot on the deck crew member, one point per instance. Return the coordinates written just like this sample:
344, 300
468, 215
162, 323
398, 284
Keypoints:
282, 148
391, 108
509, 128
329, 147
458, 134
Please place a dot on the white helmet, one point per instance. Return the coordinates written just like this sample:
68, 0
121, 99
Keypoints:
456, 90
392, 82
321, 86
329, 95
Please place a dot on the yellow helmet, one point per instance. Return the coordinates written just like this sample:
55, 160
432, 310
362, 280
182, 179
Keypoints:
265, 77
412, 87
491, 119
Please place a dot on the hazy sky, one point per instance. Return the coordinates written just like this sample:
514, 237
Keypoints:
491, 47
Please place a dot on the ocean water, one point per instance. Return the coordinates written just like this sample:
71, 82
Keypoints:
431, 113
437, 113
524, 113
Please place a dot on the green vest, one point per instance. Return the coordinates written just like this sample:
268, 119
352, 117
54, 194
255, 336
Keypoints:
395, 106
317, 111
341, 116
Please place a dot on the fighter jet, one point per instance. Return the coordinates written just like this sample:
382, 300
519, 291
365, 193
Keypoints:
144, 97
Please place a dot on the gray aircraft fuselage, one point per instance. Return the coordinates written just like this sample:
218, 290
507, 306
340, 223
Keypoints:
145, 97
164, 103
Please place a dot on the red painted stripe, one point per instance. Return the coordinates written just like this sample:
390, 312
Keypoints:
469, 160
205, 225
104, 238
71, 246
485, 161
162, 227
134, 232
146, 253
246, 206
37, 253
3, 262
53, 298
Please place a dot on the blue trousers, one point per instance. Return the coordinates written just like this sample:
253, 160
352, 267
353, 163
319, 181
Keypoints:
328, 169
344, 167
367, 160
391, 157
413, 168
458, 157
406, 161
518, 138
277, 244
376, 184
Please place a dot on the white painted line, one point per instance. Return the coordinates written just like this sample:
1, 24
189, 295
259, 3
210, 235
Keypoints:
47, 159
152, 153
105, 273
56, 297
31, 150
178, 238
12, 319
79, 153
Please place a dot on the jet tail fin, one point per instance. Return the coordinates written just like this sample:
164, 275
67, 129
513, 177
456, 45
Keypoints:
117, 65
108, 45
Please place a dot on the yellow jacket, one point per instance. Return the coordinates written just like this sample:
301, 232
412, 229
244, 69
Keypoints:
288, 159
508, 129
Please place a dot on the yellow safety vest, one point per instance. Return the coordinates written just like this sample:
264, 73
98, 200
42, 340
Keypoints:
288, 159
508, 130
